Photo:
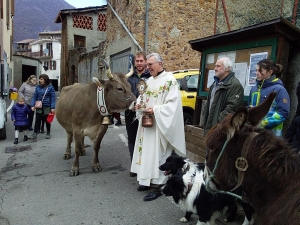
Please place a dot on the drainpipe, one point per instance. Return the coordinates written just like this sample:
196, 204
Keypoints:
124, 26
146, 25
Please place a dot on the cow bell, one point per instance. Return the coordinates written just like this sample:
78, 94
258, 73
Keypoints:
106, 120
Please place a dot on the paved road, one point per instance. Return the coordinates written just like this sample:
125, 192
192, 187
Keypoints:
36, 189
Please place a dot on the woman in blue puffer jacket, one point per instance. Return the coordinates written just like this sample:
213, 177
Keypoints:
44, 92
267, 81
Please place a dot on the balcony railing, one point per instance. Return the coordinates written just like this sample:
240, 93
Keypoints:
42, 54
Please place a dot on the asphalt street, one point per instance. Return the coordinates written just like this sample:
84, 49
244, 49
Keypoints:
36, 187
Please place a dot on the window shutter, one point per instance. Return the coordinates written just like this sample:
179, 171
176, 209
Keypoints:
1, 9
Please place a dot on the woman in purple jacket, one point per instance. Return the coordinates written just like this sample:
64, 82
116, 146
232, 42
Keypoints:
19, 115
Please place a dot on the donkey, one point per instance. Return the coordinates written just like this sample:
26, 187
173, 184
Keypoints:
240, 153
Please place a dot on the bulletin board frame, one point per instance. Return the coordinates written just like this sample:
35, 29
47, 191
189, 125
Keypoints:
243, 52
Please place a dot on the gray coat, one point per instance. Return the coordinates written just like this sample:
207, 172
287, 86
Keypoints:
26, 91
227, 99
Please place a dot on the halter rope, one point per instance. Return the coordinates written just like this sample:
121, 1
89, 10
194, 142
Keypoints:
212, 175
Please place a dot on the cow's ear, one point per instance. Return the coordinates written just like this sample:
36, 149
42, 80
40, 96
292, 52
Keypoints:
239, 119
257, 113
98, 82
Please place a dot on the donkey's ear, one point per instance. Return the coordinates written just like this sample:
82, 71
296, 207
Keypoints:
239, 118
257, 113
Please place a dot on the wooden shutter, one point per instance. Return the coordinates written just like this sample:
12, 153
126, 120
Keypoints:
1, 9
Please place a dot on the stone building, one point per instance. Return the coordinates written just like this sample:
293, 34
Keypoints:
164, 27
83, 30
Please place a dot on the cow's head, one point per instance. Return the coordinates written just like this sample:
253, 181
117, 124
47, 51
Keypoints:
235, 128
117, 91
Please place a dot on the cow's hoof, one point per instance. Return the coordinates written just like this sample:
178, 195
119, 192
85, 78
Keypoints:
74, 172
67, 156
97, 168
82, 153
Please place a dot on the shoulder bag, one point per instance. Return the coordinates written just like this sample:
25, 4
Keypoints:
38, 104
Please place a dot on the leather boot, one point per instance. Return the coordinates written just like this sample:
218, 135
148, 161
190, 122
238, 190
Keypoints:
48, 136
16, 141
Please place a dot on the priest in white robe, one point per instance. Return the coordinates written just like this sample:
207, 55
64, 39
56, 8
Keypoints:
154, 144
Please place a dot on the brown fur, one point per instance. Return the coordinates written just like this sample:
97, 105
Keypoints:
78, 113
271, 182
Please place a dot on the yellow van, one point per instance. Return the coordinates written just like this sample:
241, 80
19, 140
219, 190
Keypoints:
188, 82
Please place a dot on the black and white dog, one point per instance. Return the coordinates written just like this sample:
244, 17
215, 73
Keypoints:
187, 187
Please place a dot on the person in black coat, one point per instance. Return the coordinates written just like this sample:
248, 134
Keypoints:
292, 134
19, 115
131, 122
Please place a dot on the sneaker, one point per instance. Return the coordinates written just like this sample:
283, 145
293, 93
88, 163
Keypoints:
42, 131
119, 123
25, 138
30, 129
48, 136
33, 137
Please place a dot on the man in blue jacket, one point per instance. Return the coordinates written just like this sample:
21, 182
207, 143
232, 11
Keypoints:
140, 72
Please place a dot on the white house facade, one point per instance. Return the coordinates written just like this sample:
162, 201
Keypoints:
48, 51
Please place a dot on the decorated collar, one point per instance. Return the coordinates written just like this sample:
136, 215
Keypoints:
101, 101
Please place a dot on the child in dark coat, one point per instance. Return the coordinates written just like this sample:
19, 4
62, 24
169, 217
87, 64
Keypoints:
19, 115
292, 134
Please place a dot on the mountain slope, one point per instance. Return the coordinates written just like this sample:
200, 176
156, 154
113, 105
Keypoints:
34, 16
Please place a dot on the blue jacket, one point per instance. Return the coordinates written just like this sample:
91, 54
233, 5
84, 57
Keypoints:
19, 113
49, 99
280, 108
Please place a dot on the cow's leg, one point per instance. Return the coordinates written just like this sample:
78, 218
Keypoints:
78, 149
67, 154
95, 164
82, 147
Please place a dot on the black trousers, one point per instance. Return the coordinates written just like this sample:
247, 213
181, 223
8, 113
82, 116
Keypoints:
30, 117
131, 128
41, 118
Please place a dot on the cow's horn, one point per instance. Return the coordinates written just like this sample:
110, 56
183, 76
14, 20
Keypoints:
108, 71
130, 72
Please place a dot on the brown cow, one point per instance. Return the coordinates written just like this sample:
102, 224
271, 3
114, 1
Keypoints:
77, 112
271, 181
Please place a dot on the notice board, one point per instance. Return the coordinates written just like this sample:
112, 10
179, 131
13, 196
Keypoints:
244, 57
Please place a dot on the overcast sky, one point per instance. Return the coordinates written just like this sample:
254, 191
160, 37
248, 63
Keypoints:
86, 3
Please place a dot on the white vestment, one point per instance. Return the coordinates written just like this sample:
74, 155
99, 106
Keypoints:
154, 144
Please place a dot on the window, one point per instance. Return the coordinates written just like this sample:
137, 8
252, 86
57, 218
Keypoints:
101, 22
83, 22
49, 49
7, 14
46, 65
52, 65
192, 82
79, 41
1, 9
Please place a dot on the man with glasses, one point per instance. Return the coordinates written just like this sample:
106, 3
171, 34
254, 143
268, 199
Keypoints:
225, 95
154, 144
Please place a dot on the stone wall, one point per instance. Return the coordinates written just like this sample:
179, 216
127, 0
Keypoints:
171, 25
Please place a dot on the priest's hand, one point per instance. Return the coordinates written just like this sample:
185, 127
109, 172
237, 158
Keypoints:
149, 111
